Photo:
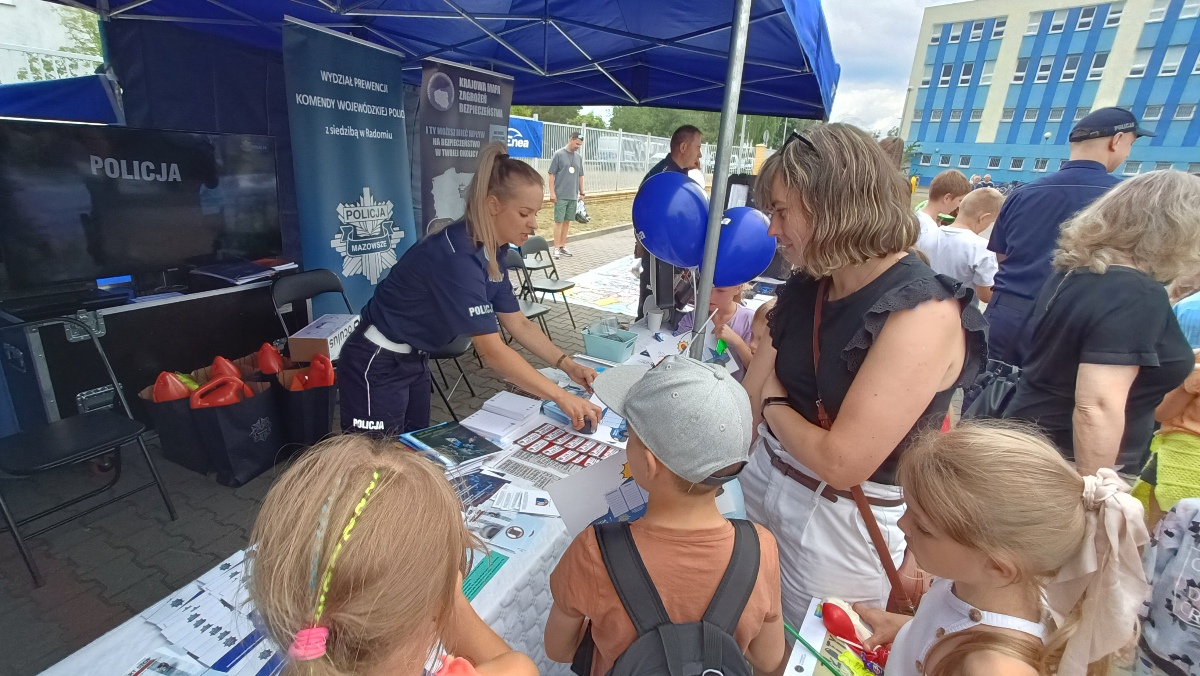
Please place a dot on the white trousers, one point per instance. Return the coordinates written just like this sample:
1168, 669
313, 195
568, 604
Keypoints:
825, 549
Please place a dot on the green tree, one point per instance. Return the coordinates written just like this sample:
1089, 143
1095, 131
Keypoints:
592, 120
83, 37
664, 121
563, 114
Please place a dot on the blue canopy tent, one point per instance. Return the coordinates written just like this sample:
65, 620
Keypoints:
78, 99
766, 57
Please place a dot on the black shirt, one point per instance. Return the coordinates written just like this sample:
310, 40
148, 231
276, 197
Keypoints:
1122, 317
848, 329
664, 165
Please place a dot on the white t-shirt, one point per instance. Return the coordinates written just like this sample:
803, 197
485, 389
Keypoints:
929, 232
961, 254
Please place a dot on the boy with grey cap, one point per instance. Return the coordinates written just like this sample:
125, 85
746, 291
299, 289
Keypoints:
690, 427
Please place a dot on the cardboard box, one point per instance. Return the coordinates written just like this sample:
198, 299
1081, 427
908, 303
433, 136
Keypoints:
325, 335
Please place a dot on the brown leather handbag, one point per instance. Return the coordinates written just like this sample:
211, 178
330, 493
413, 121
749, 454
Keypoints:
909, 583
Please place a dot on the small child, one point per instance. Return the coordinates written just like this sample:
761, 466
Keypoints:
1172, 474
759, 328
357, 562
733, 322
959, 251
946, 192
689, 433
1039, 567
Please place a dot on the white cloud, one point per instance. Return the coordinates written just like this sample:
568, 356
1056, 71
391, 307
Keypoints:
875, 42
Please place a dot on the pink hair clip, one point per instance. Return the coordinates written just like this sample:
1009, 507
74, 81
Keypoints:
309, 644
456, 666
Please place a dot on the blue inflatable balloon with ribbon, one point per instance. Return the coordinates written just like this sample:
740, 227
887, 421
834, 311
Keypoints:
745, 249
670, 216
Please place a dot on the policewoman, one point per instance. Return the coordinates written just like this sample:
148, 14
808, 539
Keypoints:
454, 282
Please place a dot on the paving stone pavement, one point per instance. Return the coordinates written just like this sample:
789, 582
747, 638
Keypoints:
111, 564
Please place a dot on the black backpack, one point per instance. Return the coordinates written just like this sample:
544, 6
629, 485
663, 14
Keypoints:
662, 648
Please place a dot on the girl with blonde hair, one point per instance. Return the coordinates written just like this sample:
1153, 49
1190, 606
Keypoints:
356, 564
1038, 568
450, 284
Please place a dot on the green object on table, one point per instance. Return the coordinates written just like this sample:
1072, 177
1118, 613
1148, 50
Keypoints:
480, 574
815, 653
721, 346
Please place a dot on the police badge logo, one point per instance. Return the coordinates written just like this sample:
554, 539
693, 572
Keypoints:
367, 237
260, 430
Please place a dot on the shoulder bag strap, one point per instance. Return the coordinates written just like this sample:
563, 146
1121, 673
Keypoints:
630, 578
736, 586
860, 499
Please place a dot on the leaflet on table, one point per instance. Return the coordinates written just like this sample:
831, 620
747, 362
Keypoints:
832, 648
528, 500
167, 661
449, 444
512, 406
549, 453
477, 487
492, 426
509, 531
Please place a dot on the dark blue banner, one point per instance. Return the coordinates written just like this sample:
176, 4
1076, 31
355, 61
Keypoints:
524, 137
353, 181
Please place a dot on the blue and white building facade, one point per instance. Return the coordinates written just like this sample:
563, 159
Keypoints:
997, 85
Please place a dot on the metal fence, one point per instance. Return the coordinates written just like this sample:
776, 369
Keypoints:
28, 64
615, 160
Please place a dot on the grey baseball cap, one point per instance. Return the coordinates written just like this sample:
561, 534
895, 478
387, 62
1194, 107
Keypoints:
694, 417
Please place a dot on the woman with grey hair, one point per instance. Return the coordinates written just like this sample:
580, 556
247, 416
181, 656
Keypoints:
1107, 348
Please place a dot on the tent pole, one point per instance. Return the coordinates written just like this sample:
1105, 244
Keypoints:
729, 108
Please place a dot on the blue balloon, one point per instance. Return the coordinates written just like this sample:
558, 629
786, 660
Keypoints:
670, 216
745, 249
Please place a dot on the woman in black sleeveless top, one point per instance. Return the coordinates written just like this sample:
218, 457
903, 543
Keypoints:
895, 340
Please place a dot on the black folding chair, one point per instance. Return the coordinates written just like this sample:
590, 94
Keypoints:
304, 286
536, 254
529, 308
71, 441
451, 352
547, 285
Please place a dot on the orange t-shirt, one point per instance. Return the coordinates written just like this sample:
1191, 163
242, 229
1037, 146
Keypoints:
1189, 420
685, 565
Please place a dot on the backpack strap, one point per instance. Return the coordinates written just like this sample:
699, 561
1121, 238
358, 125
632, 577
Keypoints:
628, 574
733, 592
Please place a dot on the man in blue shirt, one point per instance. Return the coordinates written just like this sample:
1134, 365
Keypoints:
684, 155
1028, 226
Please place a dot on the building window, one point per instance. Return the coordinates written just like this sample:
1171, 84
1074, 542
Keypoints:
1171, 61
1114, 14
1099, 59
1016, 163
1058, 21
916, 114
1162, 166
1030, 115
926, 160
1019, 73
956, 115
1045, 65
1194, 168
936, 36
998, 28
976, 31
1132, 168
935, 115
1086, 16
1007, 115
1140, 58
985, 78
944, 161
1070, 67
1056, 114
955, 33
1185, 111
964, 162
1062, 163
1040, 164
1081, 113
964, 78
926, 76
947, 71
1191, 9
993, 163
976, 114
1196, 67
1158, 11
1152, 113
1035, 21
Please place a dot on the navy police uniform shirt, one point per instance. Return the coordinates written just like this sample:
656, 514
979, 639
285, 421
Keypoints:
439, 290
1029, 223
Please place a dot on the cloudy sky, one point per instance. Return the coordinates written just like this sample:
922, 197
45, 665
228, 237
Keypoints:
875, 41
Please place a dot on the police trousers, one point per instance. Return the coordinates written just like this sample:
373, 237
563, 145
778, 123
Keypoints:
383, 393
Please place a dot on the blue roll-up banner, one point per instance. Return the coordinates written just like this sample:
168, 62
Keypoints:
353, 175
524, 137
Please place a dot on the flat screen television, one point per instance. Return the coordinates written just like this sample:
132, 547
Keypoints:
81, 202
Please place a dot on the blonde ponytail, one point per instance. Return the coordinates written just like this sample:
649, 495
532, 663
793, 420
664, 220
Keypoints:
497, 175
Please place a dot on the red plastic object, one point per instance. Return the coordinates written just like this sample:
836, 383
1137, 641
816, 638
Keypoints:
269, 359
320, 372
223, 368
221, 392
299, 382
456, 666
169, 387
838, 623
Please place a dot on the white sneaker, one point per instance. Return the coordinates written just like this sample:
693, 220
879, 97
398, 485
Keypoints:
557, 254
563, 251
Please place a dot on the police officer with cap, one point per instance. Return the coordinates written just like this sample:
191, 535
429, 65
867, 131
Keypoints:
1028, 225
452, 283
